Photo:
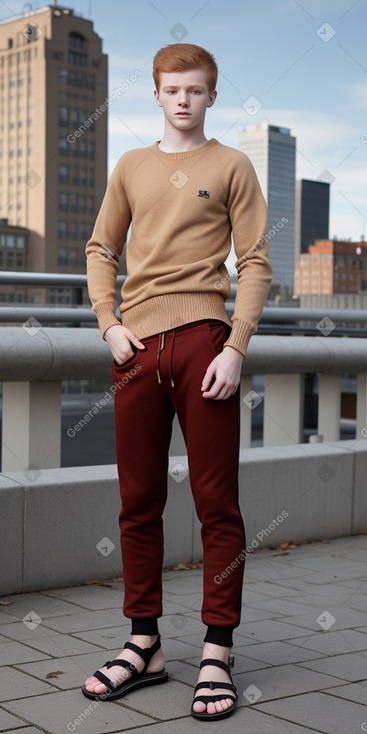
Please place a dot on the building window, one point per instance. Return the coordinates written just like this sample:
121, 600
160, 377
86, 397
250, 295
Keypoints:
10, 240
63, 145
73, 256
62, 256
63, 202
73, 203
63, 229
63, 174
63, 76
76, 40
63, 117
20, 241
82, 203
77, 58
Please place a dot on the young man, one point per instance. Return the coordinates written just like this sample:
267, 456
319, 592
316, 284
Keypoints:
183, 196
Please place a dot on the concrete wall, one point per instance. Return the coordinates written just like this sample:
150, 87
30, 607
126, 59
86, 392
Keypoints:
53, 520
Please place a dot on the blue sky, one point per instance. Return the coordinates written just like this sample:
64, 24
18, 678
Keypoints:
304, 60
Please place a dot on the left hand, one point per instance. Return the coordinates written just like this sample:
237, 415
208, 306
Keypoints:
226, 371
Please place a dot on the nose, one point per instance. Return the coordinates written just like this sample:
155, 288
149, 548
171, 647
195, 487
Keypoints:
183, 99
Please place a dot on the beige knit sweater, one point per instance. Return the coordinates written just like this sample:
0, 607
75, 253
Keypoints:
182, 208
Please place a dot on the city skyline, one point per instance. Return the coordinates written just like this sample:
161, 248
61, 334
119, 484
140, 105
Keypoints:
291, 65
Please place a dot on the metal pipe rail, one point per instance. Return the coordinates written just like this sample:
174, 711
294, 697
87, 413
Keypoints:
49, 314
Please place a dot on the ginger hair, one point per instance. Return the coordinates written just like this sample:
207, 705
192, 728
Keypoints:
185, 57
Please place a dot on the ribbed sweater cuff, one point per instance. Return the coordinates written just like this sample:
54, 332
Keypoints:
105, 313
240, 335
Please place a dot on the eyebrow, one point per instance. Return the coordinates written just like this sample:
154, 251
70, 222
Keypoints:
190, 86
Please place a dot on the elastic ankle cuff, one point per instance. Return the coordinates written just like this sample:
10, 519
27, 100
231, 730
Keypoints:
144, 626
219, 635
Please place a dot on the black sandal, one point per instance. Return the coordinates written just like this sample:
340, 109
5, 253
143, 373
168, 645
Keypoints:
136, 679
204, 716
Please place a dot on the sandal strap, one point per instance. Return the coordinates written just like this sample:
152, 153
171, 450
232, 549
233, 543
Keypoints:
148, 652
210, 699
218, 663
103, 679
211, 684
124, 663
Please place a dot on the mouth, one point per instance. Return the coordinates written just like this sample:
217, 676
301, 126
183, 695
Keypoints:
183, 114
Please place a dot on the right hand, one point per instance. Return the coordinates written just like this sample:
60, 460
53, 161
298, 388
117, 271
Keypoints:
119, 339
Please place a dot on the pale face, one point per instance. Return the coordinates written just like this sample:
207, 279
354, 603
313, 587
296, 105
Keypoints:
184, 98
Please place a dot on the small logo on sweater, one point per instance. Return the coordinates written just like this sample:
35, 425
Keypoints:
204, 194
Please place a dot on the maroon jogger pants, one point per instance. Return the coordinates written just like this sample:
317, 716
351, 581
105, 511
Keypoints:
150, 388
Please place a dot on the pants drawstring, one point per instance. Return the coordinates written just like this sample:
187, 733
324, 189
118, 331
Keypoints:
170, 360
160, 349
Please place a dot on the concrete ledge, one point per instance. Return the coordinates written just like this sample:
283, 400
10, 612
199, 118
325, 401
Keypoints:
59, 527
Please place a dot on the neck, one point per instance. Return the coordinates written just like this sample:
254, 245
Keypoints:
179, 141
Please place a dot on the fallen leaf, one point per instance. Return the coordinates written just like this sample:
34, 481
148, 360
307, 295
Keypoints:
285, 553
55, 674
4, 603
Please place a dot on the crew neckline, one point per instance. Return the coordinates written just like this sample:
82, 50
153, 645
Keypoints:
184, 153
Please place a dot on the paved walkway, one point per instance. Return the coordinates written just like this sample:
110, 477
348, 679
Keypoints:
300, 651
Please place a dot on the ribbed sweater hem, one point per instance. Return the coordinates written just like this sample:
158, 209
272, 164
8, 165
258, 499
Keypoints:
170, 310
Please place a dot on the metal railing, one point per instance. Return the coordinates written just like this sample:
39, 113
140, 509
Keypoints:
273, 320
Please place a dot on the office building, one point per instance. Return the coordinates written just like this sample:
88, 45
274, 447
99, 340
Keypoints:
332, 267
272, 151
312, 213
53, 135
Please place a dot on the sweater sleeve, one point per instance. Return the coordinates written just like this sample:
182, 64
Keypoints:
248, 215
104, 248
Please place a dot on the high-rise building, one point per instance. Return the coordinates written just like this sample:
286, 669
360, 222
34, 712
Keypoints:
332, 267
272, 150
312, 213
53, 134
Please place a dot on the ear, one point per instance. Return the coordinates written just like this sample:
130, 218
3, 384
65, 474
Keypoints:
156, 97
212, 98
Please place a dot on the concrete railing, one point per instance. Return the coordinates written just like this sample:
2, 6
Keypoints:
59, 526
35, 360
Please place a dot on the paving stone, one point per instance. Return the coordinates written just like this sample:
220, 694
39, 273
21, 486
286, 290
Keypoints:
285, 680
352, 667
54, 712
14, 684
46, 640
44, 606
177, 624
243, 721
277, 653
321, 711
344, 618
80, 621
285, 607
332, 643
170, 700
279, 647
269, 629
8, 721
351, 692
92, 597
